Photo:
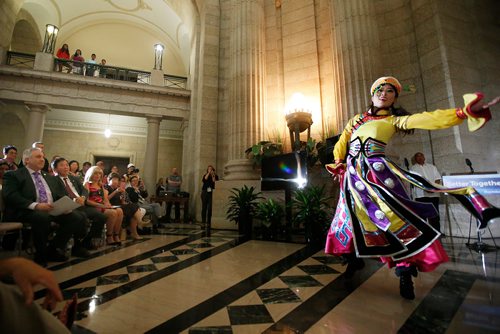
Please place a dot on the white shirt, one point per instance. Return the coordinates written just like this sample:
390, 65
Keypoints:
71, 186
430, 173
47, 189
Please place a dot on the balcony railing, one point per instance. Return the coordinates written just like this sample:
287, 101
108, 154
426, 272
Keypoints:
26, 60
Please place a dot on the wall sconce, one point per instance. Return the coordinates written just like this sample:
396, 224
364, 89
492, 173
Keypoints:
49, 41
158, 56
298, 119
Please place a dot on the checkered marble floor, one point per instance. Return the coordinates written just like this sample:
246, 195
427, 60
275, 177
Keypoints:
183, 281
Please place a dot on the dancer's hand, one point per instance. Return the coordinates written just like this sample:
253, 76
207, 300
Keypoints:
480, 106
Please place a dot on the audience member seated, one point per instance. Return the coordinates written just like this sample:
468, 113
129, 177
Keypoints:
4, 167
137, 194
77, 192
174, 182
63, 53
78, 62
114, 170
19, 313
41, 146
131, 211
10, 156
85, 167
98, 198
91, 66
74, 170
29, 194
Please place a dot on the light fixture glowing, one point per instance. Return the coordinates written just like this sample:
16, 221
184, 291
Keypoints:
158, 56
107, 133
50, 38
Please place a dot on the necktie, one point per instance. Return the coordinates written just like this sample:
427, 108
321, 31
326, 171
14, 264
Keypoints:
70, 192
42, 192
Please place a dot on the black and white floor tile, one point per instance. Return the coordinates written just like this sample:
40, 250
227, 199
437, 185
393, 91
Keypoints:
182, 281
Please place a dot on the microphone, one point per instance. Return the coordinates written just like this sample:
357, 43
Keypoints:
469, 163
407, 164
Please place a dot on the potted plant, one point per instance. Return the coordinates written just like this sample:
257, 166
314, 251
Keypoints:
263, 149
271, 214
312, 211
242, 206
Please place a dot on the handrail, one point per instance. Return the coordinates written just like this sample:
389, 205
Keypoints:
27, 60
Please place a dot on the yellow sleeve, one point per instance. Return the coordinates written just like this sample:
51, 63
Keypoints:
434, 120
340, 149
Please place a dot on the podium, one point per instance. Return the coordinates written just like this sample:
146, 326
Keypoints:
486, 183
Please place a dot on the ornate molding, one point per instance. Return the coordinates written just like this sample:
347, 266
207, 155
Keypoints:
141, 4
98, 128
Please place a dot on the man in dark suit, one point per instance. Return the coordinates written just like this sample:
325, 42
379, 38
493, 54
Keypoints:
76, 191
29, 194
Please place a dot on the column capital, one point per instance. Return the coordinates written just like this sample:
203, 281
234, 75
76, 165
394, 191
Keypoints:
37, 107
153, 119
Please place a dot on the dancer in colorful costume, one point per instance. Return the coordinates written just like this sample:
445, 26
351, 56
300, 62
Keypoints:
375, 217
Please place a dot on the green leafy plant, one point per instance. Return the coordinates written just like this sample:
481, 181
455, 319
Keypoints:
242, 206
263, 149
312, 211
271, 214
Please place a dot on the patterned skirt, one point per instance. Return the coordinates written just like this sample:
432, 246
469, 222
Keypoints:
375, 216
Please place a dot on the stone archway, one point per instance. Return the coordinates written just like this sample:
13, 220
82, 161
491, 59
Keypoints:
25, 37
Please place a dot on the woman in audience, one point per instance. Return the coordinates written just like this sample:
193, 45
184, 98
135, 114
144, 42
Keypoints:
74, 169
63, 53
85, 167
160, 187
98, 198
131, 211
137, 194
78, 61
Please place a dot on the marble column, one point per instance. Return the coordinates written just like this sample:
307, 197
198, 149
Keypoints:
355, 51
247, 71
36, 121
151, 158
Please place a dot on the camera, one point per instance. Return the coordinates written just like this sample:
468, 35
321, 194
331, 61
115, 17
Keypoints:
136, 171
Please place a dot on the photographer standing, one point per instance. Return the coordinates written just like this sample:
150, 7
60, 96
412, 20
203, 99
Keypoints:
207, 189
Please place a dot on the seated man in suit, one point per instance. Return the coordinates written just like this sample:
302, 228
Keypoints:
76, 191
29, 193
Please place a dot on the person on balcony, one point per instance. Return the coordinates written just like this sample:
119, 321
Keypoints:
91, 66
78, 61
63, 53
102, 69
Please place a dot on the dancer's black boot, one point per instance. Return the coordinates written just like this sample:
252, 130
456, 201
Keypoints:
353, 264
405, 282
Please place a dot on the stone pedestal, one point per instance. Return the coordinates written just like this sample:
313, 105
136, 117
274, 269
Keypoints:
157, 78
44, 62
241, 169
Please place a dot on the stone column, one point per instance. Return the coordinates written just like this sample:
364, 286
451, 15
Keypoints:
36, 121
151, 158
247, 71
355, 53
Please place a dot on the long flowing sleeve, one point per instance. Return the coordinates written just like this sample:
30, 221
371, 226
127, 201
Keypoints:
438, 119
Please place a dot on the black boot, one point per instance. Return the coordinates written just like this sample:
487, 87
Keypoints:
353, 264
405, 282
